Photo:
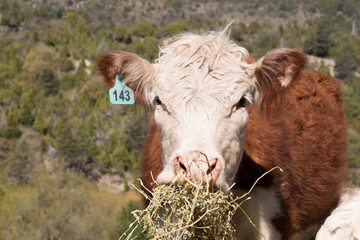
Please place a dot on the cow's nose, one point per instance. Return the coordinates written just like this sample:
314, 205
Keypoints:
197, 165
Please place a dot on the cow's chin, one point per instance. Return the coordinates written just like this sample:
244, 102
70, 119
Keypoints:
167, 177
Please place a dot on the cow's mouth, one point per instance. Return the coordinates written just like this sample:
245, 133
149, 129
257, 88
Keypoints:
188, 209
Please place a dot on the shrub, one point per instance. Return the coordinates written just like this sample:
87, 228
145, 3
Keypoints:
143, 29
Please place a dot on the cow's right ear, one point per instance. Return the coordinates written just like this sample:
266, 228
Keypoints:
137, 72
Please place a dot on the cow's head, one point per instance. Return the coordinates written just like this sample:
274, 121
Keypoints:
200, 88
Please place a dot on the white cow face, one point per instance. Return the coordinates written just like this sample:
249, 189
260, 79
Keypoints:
201, 93
200, 89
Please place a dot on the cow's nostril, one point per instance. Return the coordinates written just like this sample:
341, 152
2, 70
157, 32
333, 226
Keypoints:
199, 168
182, 166
211, 168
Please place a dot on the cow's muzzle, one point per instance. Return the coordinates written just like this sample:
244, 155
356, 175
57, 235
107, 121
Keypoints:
197, 165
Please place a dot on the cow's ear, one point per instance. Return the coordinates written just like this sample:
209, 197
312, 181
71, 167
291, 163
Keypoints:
276, 71
137, 72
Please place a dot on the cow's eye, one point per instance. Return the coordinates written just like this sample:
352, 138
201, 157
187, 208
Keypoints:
241, 103
157, 101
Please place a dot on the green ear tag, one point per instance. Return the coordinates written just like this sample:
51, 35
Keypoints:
120, 93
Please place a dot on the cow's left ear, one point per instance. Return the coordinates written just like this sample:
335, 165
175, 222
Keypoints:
137, 72
277, 70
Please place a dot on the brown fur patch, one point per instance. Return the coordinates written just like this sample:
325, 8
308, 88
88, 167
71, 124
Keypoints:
306, 137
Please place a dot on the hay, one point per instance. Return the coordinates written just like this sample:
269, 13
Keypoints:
188, 209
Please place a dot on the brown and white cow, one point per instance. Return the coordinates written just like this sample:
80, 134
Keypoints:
207, 95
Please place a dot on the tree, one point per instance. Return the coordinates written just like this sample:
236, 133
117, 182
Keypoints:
121, 159
176, 4
35, 36
135, 129
87, 148
172, 29
50, 38
67, 82
26, 116
237, 31
353, 177
45, 77
39, 124
122, 150
267, 40
253, 28
319, 42
7, 72
66, 64
44, 145
19, 165
64, 51
27, 104
143, 29
44, 55
354, 149
12, 15
151, 48
44, 11
48, 77
4, 5
65, 143
12, 127
71, 17
108, 148
351, 7
121, 35
80, 74
119, 153
344, 66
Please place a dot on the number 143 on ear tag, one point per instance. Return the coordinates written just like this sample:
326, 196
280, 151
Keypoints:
120, 93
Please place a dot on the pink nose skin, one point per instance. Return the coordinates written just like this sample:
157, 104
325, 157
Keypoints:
198, 166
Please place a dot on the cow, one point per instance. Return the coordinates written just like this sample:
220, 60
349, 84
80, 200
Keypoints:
344, 221
237, 118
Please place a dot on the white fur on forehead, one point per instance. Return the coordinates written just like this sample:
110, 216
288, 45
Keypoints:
195, 62
193, 48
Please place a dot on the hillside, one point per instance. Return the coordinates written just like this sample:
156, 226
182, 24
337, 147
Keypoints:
161, 12
63, 145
